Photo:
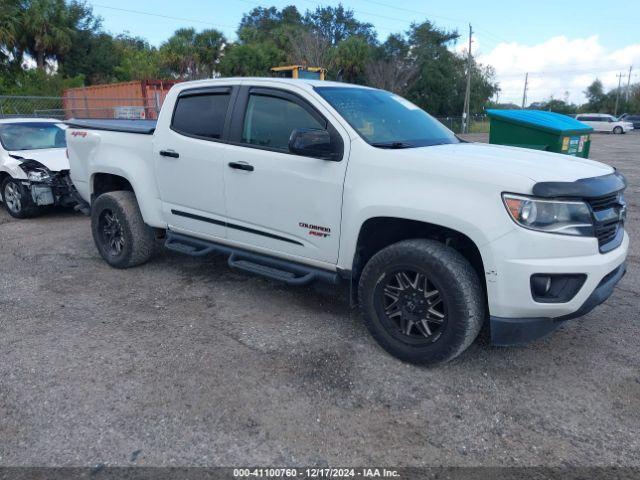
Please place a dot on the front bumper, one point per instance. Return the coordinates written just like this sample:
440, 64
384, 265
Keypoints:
518, 331
57, 190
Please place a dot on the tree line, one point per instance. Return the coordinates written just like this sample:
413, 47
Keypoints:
69, 47
66, 43
598, 101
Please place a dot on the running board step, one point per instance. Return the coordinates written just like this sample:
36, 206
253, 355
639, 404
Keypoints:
252, 262
290, 273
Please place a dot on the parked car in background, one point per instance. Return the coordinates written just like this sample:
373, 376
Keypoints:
33, 165
304, 180
633, 118
602, 122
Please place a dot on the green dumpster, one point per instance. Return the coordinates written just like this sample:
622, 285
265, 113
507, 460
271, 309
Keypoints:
540, 130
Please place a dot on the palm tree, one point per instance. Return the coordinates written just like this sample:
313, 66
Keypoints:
209, 44
8, 24
179, 53
46, 29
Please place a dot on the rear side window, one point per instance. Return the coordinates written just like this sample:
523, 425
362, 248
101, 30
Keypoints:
201, 115
269, 121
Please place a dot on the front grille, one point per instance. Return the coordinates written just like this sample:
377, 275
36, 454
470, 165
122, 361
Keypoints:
607, 208
607, 232
603, 203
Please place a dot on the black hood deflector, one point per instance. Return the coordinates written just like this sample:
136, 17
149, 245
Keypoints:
593, 187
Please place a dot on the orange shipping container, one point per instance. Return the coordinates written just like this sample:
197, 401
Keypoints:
136, 100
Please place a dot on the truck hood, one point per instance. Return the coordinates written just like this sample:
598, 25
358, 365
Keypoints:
500, 160
55, 159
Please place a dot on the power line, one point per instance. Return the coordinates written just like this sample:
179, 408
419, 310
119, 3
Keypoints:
548, 72
374, 2
169, 17
386, 29
427, 14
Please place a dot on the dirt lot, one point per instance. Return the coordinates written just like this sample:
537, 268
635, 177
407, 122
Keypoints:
186, 362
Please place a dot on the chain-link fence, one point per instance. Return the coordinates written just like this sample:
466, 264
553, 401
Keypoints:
477, 123
78, 107
140, 108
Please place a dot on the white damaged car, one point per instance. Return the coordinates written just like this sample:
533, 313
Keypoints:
34, 169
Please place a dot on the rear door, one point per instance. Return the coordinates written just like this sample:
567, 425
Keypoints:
589, 120
277, 200
190, 161
604, 123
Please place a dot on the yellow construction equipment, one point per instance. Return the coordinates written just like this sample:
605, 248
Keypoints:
300, 71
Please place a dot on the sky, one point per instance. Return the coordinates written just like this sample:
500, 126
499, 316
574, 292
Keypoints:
564, 45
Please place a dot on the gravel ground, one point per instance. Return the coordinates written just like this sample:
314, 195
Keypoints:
186, 362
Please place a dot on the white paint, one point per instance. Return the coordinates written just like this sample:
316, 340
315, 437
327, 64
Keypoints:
458, 186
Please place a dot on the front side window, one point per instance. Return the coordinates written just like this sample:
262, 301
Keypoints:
386, 120
201, 115
31, 136
269, 121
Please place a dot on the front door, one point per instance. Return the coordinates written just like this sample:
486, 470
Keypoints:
277, 200
190, 163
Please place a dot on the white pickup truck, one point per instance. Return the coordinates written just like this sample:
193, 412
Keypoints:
302, 180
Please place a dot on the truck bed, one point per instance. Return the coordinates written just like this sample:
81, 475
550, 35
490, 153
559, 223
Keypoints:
144, 127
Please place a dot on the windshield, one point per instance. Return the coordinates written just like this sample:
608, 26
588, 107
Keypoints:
386, 120
31, 136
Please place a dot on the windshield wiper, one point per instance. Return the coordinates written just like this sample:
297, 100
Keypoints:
393, 145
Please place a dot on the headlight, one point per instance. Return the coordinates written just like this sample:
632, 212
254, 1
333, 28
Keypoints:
552, 216
38, 175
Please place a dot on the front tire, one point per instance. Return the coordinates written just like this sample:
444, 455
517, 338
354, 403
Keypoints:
421, 301
119, 232
618, 130
16, 199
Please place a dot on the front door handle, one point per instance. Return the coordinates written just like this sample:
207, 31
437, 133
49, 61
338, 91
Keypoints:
169, 153
241, 166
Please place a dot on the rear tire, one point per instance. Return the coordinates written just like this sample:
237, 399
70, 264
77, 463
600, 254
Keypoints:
119, 231
421, 301
618, 130
16, 199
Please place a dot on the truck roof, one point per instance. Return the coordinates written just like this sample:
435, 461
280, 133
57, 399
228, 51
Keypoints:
29, 120
304, 82
146, 127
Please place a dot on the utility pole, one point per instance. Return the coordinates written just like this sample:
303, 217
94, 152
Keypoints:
467, 95
524, 93
615, 110
628, 84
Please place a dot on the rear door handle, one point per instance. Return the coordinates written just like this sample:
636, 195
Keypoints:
241, 166
169, 153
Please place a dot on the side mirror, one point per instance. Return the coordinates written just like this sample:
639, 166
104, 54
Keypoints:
311, 142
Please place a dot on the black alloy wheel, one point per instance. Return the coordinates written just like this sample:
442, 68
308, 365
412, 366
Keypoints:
411, 306
111, 233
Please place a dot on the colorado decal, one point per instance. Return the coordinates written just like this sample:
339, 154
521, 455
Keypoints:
316, 230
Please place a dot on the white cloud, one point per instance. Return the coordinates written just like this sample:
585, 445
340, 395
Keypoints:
558, 67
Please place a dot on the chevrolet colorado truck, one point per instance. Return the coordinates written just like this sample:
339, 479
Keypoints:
302, 180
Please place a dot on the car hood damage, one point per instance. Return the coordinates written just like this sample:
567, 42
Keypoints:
47, 176
54, 159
